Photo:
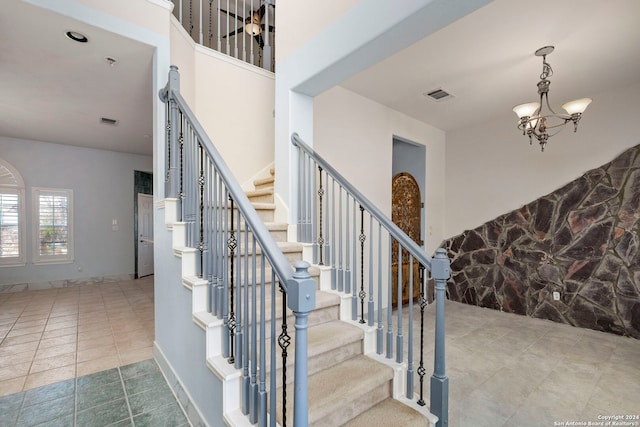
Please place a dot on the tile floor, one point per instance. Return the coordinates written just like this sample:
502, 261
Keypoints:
54, 335
504, 370
135, 394
507, 370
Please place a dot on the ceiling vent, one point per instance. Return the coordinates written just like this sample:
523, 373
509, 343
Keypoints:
438, 95
108, 121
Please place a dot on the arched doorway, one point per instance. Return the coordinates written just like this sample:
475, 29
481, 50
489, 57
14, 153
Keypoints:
406, 211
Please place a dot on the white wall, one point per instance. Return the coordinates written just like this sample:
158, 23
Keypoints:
233, 101
356, 134
491, 169
102, 184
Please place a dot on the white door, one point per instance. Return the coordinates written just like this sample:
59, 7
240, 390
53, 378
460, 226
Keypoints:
145, 235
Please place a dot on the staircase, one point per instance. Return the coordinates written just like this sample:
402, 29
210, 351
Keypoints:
346, 387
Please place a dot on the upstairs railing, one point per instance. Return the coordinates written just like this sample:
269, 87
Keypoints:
362, 246
242, 29
238, 258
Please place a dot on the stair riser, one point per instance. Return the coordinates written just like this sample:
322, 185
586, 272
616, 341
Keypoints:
316, 317
261, 184
263, 198
355, 407
318, 362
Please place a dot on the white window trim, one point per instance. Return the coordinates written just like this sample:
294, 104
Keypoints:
20, 260
36, 192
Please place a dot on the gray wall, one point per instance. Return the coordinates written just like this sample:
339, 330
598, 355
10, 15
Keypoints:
103, 186
411, 157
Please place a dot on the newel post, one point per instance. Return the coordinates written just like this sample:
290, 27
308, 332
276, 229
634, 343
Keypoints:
440, 272
301, 290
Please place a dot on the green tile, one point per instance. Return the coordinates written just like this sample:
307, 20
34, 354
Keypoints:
97, 394
46, 411
140, 368
141, 383
49, 392
165, 416
149, 400
104, 377
103, 415
60, 422
10, 407
123, 423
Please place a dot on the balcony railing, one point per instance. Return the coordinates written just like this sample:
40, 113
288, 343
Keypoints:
242, 29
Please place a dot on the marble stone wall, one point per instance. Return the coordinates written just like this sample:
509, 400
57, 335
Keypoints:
581, 241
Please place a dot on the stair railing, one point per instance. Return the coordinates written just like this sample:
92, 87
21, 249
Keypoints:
341, 222
237, 257
242, 29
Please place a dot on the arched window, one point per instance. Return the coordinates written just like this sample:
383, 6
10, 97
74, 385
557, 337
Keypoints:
12, 217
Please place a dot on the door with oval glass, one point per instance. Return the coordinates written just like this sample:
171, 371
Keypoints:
406, 210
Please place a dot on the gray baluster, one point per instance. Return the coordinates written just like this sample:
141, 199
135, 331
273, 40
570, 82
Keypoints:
225, 279
262, 391
245, 361
347, 239
340, 256
399, 336
331, 250
253, 397
379, 331
273, 364
410, 342
390, 305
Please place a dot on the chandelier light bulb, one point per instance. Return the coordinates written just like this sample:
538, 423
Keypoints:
578, 106
526, 110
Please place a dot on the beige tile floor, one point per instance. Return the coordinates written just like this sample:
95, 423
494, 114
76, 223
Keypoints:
504, 369
53, 335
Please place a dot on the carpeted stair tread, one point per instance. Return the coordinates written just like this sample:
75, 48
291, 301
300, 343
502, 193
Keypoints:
340, 391
389, 413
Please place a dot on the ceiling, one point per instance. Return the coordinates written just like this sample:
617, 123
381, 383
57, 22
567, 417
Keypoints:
486, 60
57, 90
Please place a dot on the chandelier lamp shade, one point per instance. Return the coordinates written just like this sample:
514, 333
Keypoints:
534, 121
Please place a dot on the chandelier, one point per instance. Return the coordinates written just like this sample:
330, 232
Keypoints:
533, 122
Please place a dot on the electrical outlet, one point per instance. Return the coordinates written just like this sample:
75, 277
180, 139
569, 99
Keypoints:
556, 296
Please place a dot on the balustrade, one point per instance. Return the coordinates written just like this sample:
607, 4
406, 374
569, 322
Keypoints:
354, 222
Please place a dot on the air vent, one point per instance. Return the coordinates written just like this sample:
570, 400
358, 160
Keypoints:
108, 121
438, 95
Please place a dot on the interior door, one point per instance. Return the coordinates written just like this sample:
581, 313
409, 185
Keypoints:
406, 212
145, 235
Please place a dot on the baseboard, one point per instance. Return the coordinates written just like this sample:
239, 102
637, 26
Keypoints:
182, 396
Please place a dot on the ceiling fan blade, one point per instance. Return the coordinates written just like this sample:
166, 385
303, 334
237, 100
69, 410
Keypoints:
259, 40
233, 33
233, 15
271, 28
260, 12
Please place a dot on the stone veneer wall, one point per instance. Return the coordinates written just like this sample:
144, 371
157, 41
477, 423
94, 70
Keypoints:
581, 240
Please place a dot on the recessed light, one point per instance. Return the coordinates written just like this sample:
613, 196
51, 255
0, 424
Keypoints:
77, 37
